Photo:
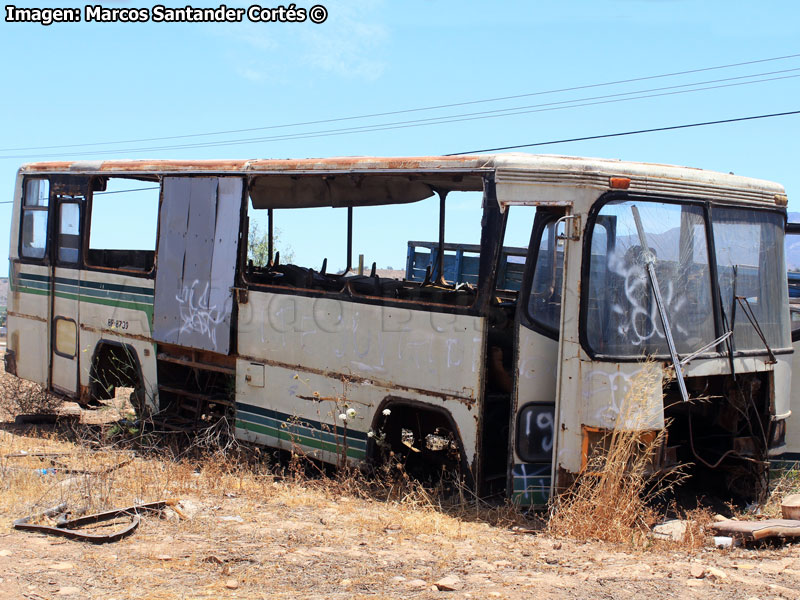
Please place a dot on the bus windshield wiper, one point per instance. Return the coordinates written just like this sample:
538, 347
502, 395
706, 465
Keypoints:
751, 316
649, 260
730, 342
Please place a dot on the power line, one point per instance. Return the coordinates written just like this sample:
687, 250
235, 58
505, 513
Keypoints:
111, 192
577, 103
623, 133
412, 110
568, 140
127, 191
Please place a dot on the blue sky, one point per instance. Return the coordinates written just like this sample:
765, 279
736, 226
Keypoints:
87, 83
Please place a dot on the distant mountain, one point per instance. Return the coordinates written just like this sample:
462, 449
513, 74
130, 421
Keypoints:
3, 291
666, 244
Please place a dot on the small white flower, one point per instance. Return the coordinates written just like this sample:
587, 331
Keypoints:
343, 417
370, 434
351, 413
386, 412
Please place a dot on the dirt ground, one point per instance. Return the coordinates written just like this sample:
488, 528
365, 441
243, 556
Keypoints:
246, 533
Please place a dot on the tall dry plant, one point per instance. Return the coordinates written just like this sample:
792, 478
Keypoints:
610, 499
784, 483
19, 397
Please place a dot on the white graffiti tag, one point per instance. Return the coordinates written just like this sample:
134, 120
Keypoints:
640, 320
196, 314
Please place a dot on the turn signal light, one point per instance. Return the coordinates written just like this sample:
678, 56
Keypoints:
619, 183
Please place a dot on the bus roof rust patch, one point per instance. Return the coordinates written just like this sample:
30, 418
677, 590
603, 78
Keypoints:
346, 163
517, 169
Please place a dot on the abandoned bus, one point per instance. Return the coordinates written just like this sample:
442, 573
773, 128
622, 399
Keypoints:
625, 269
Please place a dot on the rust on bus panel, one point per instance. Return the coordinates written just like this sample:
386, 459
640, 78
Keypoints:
116, 332
259, 165
467, 400
132, 166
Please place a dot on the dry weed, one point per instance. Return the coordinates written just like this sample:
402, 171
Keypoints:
611, 499
786, 484
698, 529
23, 397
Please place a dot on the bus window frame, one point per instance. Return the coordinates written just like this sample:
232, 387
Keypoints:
476, 308
57, 260
97, 184
45, 258
540, 223
706, 206
74, 354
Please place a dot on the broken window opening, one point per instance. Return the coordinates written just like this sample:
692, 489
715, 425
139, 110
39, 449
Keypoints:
307, 248
313, 246
123, 225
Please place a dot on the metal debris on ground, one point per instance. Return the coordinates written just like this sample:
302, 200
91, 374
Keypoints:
71, 528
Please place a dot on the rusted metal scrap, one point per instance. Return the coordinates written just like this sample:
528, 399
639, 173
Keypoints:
71, 528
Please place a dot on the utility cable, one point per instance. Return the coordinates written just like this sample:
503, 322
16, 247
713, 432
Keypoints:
623, 133
421, 122
412, 110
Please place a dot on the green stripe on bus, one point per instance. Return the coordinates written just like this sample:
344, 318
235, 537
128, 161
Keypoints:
104, 294
147, 309
283, 434
36, 291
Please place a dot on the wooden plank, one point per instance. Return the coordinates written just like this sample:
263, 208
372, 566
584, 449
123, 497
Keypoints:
758, 530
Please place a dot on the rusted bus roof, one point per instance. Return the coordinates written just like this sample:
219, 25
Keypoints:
345, 163
136, 166
510, 167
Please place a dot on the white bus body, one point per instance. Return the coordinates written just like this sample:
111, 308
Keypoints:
521, 387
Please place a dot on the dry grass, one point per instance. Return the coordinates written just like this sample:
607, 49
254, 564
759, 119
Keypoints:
786, 484
281, 531
23, 397
611, 500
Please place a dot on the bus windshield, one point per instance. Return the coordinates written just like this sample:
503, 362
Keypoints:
750, 259
622, 317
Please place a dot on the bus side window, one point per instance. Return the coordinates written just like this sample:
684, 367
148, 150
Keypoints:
34, 218
544, 301
69, 232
